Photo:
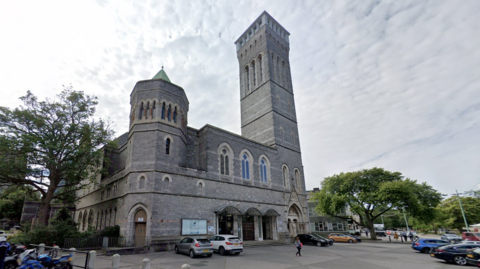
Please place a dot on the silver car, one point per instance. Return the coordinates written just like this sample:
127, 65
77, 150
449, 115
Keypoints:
453, 238
194, 247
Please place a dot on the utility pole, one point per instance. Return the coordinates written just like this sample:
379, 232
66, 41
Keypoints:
463, 212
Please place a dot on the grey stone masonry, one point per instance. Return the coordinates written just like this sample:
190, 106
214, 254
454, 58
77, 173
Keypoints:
165, 178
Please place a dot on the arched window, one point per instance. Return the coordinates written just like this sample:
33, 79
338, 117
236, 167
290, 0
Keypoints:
147, 110
260, 65
163, 111
245, 167
98, 217
167, 146
297, 180
101, 221
80, 221
277, 73
166, 183
285, 176
140, 114
254, 74
84, 222
200, 187
273, 66
152, 113
263, 171
169, 113
175, 115
141, 183
247, 77
224, 163
114, 216
281, 133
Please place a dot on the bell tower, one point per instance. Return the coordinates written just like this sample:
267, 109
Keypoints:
266, 94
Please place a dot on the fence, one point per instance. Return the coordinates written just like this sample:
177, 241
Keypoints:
94, 242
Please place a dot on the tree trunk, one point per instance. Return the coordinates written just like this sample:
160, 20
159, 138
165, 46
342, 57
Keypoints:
373, 234
44, 210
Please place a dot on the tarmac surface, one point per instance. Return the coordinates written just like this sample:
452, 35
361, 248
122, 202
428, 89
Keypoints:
368, 254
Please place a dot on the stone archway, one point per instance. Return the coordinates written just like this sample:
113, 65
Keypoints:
138, 225
294, 218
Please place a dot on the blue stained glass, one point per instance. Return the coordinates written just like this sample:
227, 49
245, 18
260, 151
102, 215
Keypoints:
243, 168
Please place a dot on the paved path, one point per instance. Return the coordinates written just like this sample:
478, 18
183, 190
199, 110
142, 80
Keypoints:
365, 255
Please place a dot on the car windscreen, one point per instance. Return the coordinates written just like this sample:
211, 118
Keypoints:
476, 234
233, 239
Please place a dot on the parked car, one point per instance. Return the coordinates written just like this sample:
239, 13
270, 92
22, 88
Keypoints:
471, 236
424, 245
310, 239
381, 233
226, 243
473, 257
451, 238
194, 246
456, 253
340, 237
330, 241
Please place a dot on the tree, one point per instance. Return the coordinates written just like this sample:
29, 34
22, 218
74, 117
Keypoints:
11, 202
450, 208
52, 145
372, 192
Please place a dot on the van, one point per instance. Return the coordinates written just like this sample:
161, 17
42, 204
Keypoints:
469, 236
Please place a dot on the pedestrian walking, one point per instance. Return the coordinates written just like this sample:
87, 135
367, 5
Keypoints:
404, 235
366, 232
4, 248
410, 234
298, 245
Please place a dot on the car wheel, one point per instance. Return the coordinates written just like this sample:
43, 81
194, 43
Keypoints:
350, 241
319, 244
176, 250
425, 250
192, 254
221, 251
459, 260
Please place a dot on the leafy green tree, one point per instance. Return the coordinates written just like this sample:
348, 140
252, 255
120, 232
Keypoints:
11, 201
372, 192
450, 208
57, 135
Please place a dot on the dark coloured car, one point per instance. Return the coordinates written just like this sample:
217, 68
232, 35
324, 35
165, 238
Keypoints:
194, 247
310, 239
456, 253
424, 245
473, 257
330, 241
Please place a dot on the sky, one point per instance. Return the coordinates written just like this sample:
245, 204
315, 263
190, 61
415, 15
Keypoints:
392, 84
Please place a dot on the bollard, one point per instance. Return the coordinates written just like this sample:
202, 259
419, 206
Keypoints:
389, 238
72, 250
146, 263
92, 255
105, 242
186, 266
116, 261
41, 248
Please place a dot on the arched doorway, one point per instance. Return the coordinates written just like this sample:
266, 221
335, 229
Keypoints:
294, 217
140, 221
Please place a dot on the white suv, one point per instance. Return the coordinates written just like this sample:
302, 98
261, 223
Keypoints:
226, 243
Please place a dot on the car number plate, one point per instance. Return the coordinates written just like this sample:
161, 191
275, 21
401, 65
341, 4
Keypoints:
236, 244
431, 254
205, 250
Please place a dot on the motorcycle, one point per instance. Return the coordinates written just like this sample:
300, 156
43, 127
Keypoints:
11, 261
50, 261
28, 260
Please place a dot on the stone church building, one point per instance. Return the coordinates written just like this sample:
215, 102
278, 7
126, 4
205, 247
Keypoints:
167, 180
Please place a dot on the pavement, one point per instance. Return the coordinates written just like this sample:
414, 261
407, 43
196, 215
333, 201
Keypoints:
368, 254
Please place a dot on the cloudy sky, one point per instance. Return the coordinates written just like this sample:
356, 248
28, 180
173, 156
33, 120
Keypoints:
392, 84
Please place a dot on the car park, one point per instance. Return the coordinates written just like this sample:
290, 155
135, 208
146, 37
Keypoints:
340, 237
194, 247
310, 239
453, 238
424, 245
330, 241
226, 243
455, 253
473, 257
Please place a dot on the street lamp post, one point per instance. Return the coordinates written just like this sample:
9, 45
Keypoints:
405, 217
463, 212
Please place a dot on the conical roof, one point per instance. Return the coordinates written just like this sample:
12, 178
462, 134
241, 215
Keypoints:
162, 75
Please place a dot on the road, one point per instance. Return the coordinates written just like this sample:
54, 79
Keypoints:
365, 255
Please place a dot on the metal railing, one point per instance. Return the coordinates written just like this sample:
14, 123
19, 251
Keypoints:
94, 242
